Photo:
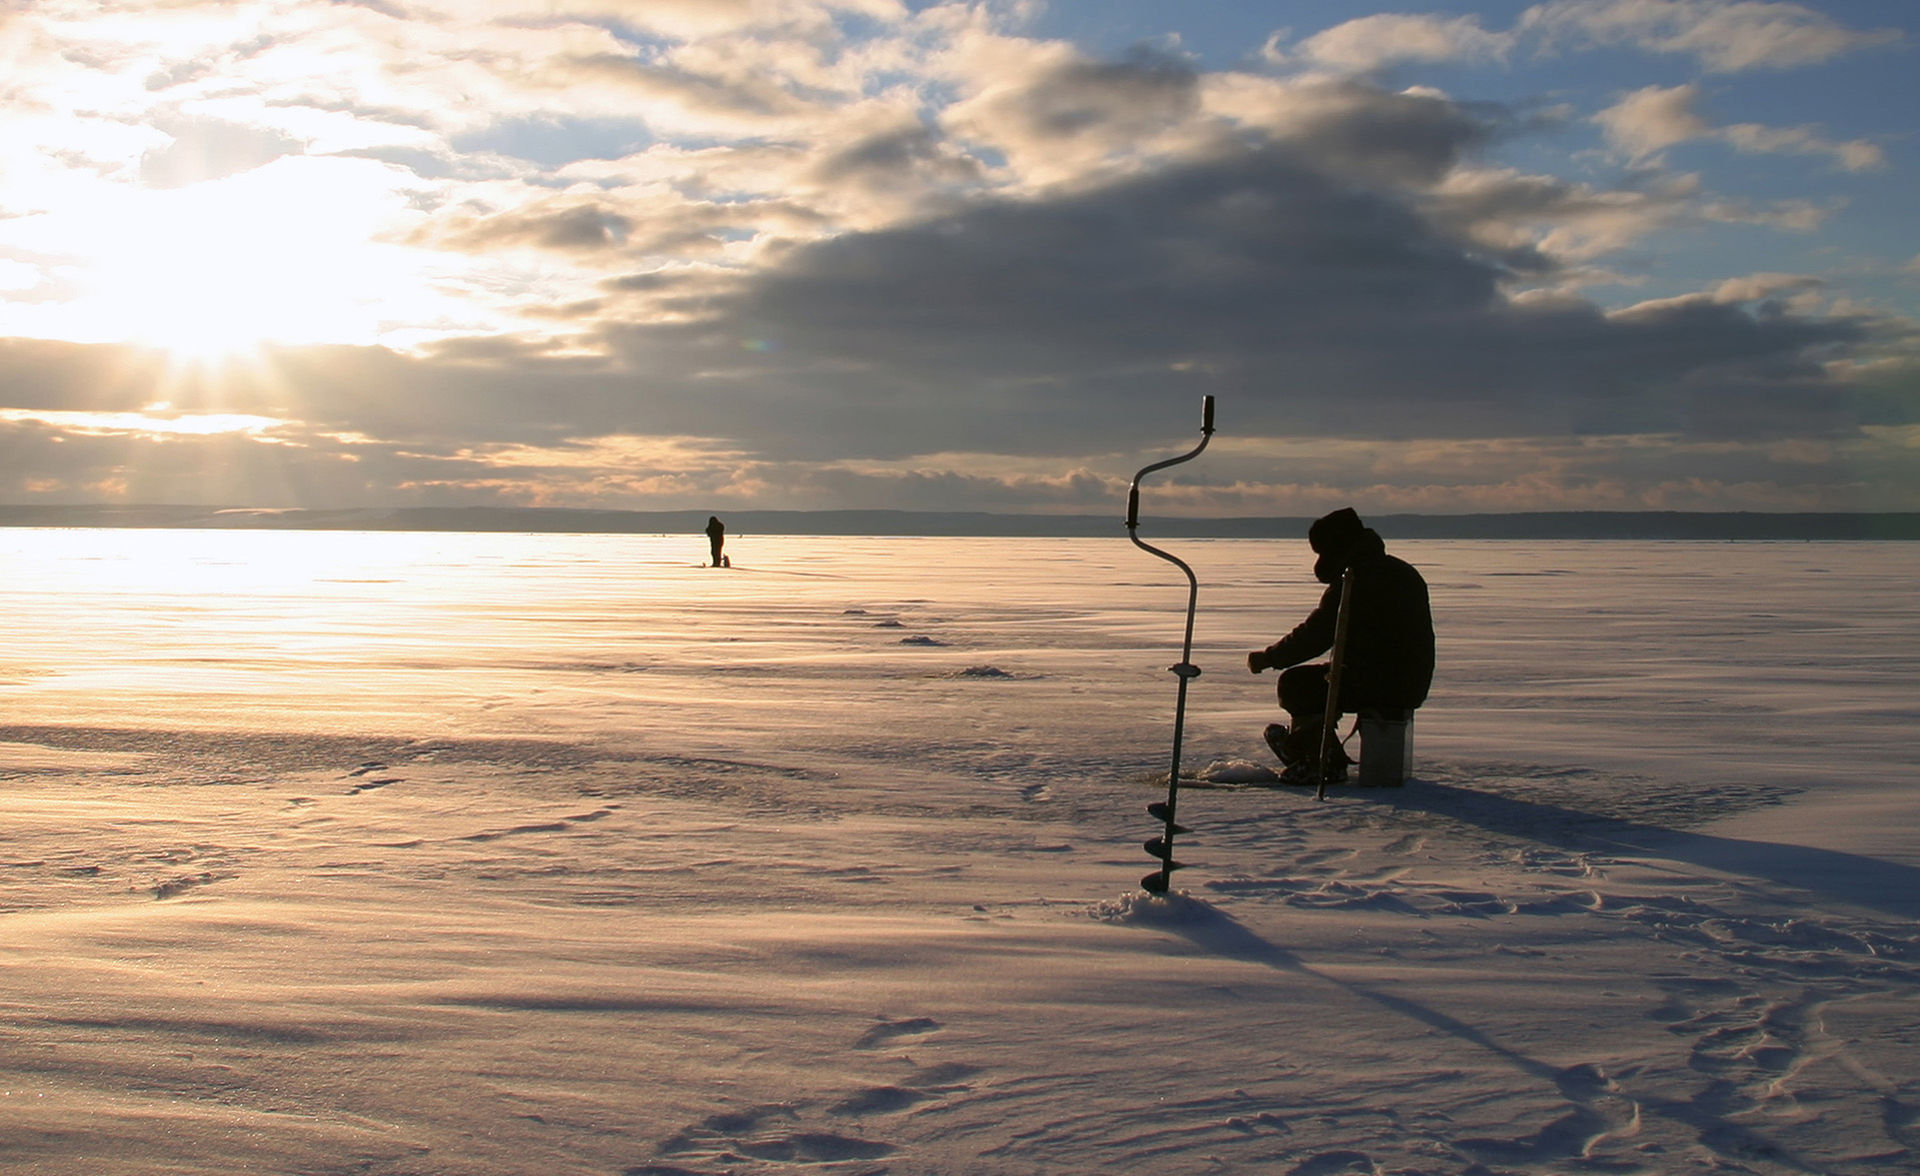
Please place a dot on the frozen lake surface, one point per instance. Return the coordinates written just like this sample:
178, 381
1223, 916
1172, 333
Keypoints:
428, 853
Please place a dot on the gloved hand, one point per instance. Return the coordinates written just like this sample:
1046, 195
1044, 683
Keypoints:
1257, 661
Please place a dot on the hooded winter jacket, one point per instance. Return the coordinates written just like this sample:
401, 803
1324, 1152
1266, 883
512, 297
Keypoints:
1389, 662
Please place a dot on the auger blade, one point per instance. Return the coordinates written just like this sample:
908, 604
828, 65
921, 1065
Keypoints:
1159, 848
1158, 811
1156, 882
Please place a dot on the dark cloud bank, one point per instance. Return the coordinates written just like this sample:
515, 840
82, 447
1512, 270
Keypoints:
1308, 306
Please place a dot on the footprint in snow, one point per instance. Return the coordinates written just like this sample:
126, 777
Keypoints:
929, 1083
559, 826
813, 1147
1329, 1163
886, 1031
1317, 856
173, 887
732, 1134
880, 1100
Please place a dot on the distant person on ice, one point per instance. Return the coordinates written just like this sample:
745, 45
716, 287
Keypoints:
716, 539
1389, 654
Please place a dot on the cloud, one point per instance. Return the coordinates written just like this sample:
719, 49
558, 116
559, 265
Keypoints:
1373, 42
904, 155
1763, 287
210, 149
1536, 225
1654, 118
1231, 248
683, 19
1855, 155
588, 227
1725, 36
1354, 129
1056, 114
698, 101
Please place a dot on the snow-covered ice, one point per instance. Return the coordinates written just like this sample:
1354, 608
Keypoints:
422, 854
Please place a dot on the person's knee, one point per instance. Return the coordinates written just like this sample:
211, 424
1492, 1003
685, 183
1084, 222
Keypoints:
1303, 689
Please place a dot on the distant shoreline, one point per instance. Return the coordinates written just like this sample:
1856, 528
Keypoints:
1702, 525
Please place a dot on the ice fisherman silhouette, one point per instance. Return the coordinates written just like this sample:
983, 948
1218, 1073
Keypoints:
1388, 665
716, 539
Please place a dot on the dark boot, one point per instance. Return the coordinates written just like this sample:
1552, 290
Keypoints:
1302, 745
1299, 751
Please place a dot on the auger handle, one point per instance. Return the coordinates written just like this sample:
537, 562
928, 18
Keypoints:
1133, 490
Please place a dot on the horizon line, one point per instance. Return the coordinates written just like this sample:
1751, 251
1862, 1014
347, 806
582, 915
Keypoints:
1548, 524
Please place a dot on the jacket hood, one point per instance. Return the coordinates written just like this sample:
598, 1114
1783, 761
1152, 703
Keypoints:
1334, 533
1365, 544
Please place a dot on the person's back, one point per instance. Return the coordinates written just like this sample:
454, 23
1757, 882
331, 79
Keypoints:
1389, 655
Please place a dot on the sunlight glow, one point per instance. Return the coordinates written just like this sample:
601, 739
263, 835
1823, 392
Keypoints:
300, 251
203, 424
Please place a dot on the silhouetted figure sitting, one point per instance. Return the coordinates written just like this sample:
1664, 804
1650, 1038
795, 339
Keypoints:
716, 539
1389, 652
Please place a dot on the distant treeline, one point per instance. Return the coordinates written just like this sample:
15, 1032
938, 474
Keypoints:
1712, 525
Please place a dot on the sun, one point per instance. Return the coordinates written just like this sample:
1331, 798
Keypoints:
212, 283
307, 250
199, 309
288, 254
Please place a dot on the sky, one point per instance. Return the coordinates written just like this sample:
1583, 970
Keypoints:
819, 254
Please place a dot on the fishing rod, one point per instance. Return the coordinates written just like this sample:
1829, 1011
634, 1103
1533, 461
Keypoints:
1161, 847
1330, 722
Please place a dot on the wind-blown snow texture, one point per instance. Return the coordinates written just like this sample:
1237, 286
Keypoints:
425, 854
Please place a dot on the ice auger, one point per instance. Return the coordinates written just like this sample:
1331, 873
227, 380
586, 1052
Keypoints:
1161, 847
